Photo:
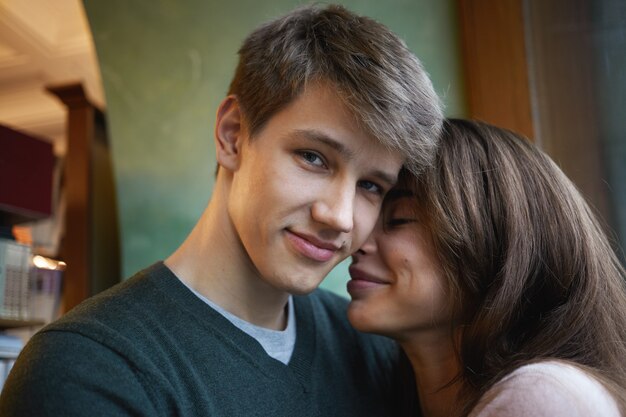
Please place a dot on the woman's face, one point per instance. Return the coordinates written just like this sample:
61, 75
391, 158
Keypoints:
397, 286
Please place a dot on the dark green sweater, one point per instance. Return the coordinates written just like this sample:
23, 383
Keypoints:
150, 347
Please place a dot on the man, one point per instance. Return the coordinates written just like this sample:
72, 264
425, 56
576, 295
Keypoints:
324, 109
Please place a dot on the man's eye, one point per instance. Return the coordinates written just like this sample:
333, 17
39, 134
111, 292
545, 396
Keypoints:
371, 187
312, 158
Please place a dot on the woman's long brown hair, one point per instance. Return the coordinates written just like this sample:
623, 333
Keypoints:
530, 268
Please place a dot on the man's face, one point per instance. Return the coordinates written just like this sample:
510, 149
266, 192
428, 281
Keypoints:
307, 191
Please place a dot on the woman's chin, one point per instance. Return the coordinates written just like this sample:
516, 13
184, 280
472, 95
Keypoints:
365, 320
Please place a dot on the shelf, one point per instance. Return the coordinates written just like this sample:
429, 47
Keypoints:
16, 323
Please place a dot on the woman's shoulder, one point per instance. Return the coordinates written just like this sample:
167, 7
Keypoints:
547, 388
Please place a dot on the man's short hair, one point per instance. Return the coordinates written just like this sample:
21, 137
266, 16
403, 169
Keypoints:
375, 75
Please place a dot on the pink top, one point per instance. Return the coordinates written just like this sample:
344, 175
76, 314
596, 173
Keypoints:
547, 389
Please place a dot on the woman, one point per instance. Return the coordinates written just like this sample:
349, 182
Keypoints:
496, 279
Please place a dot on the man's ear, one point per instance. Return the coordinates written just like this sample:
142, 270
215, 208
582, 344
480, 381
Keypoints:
229, 133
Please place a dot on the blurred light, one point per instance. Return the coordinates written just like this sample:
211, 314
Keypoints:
46, 263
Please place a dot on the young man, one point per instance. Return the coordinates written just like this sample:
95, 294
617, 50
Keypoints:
324, 109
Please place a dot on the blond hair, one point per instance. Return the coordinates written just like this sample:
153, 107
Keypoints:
375, 75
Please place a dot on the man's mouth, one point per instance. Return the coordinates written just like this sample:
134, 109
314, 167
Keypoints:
312, 247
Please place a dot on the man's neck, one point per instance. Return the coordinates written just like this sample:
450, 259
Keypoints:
213, 262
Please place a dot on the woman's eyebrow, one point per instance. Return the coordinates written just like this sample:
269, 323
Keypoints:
398, 193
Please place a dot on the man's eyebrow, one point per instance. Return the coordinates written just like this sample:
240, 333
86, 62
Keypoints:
317, 136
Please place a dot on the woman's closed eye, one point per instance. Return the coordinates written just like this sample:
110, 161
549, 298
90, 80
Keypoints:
399, 221
400, 212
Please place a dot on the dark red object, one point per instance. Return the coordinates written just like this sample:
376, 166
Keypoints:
26, 167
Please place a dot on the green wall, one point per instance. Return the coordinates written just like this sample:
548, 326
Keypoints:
166, 65
608, 34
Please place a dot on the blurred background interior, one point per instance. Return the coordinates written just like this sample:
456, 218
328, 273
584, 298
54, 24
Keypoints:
107, 112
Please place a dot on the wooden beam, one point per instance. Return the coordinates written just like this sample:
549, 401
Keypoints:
496, 70
77, 179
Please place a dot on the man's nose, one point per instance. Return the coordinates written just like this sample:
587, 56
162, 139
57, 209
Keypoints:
370, 246
336, 209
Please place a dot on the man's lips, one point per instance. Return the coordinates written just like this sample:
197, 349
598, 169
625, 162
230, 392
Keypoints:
312, 247
362, 281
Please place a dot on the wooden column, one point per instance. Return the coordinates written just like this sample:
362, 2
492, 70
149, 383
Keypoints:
496, 71
77, 179
563, 39
560, 39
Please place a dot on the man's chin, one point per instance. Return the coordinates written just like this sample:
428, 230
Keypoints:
303, 290
304, 286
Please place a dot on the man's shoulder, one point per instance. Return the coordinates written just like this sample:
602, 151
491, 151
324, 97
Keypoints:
128, 310
138, 291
